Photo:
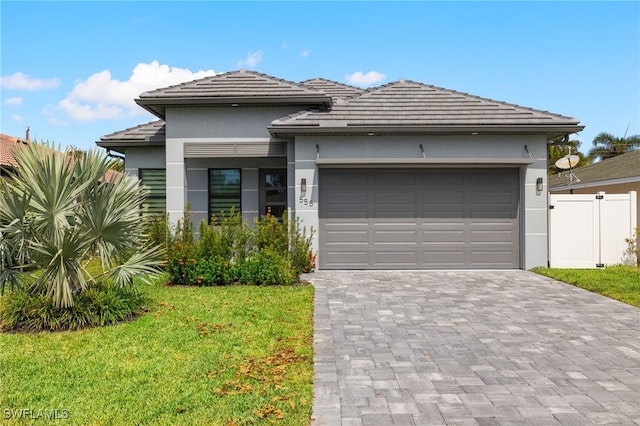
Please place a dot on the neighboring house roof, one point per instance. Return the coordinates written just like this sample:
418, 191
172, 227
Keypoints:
406, 106
620, 169
7, 145
332, 88
236, 87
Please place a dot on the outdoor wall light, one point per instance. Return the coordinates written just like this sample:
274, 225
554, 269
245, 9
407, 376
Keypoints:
539, 184
303, 186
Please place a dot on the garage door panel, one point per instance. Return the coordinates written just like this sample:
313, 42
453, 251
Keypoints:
492, 237
444, 259
394, 178
394, 197
442, 197
443, 236
419, 219
353, 178
395, 236
491, 198
443, 215
441, 178
491, 259
346, 259
348, 236
395, 258
347, 198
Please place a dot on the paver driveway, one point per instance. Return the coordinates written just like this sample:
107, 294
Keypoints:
467, 348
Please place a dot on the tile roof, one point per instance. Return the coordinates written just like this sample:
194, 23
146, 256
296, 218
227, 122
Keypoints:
408, 103
232, 88
154, 130
620, 167
7, 145
332, 88
235, 84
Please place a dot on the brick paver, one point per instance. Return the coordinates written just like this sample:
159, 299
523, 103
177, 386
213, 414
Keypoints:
471, 348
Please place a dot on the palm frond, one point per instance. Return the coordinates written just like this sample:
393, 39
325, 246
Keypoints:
142, 264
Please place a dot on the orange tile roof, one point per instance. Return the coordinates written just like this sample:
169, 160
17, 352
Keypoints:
7, 145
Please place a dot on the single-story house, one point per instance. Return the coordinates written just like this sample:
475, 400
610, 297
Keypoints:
616, 175
401, 176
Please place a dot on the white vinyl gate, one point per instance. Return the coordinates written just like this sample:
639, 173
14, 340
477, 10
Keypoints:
589, 230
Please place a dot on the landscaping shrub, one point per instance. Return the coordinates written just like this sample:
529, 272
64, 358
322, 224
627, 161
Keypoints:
302, 258
228, 237
228, 250
266, 267
99, 305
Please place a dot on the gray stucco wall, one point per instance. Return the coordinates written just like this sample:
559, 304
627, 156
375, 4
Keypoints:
137, 158
187, 178
533, 241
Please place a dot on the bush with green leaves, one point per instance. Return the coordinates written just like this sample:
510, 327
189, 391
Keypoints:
266, 267
58, 211
100, 305
228, 250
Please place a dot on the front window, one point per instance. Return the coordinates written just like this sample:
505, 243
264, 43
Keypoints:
224, 192
156, 181
274, 187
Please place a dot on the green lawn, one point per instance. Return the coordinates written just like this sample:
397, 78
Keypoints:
231, 355
618, 282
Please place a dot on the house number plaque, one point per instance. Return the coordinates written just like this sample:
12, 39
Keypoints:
305, 201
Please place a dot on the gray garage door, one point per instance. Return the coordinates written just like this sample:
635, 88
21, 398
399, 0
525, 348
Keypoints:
419, 219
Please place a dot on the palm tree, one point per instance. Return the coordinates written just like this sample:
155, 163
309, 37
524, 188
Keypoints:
606, 145
58, 212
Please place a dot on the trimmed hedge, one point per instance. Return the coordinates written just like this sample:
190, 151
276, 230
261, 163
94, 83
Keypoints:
273, 251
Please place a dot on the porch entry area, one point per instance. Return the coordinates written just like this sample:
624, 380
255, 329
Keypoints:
252, 186
225, 191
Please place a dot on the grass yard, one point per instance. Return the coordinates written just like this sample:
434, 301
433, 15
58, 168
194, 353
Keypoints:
617, 282
233, 355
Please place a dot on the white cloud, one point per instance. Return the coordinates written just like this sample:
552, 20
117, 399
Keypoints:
21, 81
101, 97
16, 117
305, 53
253, 58
13, 101
360, 79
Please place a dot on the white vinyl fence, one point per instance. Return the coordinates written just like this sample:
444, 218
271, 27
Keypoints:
589, 230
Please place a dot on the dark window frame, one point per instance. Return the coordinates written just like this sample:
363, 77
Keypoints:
210, 194
150, 195
262, 188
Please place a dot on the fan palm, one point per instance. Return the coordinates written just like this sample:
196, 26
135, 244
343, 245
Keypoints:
606, 145
58, 212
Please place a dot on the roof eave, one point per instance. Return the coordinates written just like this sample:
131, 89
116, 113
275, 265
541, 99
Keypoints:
550, 131
157, 105
596, 183
119, 144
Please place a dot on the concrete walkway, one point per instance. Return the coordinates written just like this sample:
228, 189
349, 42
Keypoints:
471, 348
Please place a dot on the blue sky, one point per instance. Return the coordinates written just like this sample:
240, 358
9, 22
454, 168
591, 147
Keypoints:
70, 70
